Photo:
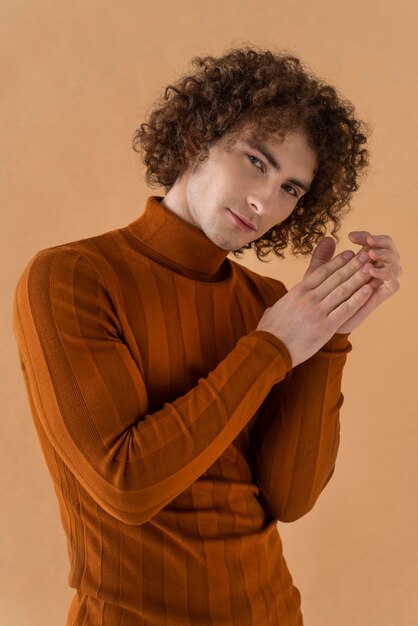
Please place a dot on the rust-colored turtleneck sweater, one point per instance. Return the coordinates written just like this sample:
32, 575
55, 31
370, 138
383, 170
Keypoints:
175, 434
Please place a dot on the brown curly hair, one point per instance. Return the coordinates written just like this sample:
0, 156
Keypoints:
269, 93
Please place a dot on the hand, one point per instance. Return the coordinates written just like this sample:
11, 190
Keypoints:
312, 311
384, 270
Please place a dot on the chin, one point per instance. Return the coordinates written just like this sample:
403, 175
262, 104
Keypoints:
223, 245
214, 237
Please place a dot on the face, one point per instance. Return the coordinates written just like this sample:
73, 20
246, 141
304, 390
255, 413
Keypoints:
259, 182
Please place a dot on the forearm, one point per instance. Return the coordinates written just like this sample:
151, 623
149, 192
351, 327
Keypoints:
89, 397
296, 437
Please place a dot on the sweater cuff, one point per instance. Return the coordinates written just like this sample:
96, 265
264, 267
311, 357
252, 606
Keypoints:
338, 342
278, 343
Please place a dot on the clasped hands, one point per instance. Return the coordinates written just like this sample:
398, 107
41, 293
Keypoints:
383, 270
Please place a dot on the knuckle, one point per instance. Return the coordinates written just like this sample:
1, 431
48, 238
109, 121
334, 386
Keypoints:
336, 278
309, 299
318, 314
344, 290
301, 288
356, 263
308, 282
321, 273
356, 300
345, 308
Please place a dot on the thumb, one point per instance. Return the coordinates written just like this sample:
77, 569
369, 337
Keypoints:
323, 252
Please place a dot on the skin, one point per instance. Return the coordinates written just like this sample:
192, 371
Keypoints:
235, 181
242, 180
384, 269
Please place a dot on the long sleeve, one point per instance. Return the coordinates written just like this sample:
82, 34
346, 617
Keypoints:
89, 397
296, 436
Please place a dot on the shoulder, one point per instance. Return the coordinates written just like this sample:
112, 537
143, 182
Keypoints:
57, 276
89, 255
59, 283
54, 260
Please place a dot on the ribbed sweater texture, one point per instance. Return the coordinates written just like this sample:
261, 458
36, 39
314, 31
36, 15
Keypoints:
177, 436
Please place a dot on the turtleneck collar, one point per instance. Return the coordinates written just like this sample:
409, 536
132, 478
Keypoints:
170, 240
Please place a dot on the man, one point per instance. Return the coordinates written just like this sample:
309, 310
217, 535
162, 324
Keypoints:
184, 403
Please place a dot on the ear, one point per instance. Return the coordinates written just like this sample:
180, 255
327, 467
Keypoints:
323, 252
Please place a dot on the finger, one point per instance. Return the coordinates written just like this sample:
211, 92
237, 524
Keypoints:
323, 252
385, 291
390, 280
345, 289
359, 236
382, 272
349, 307
383, 256
375, 282
364, 237
327, 277
346, 258
383, 241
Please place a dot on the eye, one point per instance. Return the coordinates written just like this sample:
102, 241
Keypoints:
296, 195
251, 156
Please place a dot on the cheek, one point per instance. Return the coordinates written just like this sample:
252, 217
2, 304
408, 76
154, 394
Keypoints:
235, 175
282, 215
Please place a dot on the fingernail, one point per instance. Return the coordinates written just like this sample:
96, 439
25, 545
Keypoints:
364, 256
348, 254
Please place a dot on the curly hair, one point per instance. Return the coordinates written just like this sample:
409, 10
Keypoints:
269, 93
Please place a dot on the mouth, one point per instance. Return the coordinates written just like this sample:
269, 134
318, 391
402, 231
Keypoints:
242, 222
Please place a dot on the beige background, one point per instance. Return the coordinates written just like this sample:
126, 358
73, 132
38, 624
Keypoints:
76, 79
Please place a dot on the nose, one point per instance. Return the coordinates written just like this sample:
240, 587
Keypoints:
262, 203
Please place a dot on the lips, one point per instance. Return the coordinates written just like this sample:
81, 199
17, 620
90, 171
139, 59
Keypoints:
245, 221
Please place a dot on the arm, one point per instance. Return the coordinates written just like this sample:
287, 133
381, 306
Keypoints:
296, 441
90, 398
296, 435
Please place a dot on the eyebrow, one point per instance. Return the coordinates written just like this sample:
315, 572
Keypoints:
261, 147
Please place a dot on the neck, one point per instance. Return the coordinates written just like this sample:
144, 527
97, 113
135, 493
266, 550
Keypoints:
169, 239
